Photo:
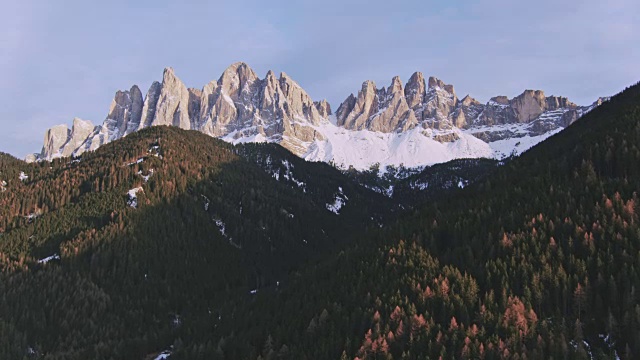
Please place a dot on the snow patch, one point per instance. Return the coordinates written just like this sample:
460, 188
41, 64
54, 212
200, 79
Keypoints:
146, 177
339, 201
419, 185
206, 202
155, 151
23, 176
33, 215
288, 175
140, 160
239, 137
163, 355
223, 230
221, 227
133, 196
49, 258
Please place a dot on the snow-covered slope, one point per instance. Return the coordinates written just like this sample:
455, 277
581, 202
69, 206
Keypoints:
416, 147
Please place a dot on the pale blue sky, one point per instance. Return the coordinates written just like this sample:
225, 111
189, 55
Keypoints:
60, 59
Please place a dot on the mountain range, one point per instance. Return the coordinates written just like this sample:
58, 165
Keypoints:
422, 122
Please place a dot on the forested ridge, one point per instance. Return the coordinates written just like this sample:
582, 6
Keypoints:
88, 271
236, 253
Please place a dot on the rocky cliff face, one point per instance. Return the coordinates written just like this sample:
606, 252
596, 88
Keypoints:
241, 107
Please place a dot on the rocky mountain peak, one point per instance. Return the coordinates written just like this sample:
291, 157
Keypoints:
324, 108
468, 101
168, 73
557, 102
529, 105
356, 117
237, 77
125, 113
80, 131
396, 86
439, 103
345, 109
149, 106
172, 107
271, 75
384, 110
500, 100
435, 83
54, 139
415, 90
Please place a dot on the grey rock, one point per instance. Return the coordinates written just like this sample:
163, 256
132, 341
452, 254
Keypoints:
415, 90
125, 113
324, 108
149, 106
384, 110
467, 112
54, 140
80, 130
172, 107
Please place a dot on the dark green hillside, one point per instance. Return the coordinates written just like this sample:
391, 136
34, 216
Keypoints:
440, 179
539, 260
411, 187
208, 227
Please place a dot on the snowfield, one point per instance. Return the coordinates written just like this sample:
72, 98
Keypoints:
516, 146
413, 148
416, 147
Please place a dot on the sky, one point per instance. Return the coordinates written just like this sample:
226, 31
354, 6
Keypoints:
65, 59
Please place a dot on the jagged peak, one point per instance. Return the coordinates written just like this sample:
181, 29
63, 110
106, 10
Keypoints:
468, 100
434, 82
323, 107
500, 99
396, 85
238, 64
210, 86
531, 93
239, 67
78, 122
369, 85
237, 75
284, 78
416, 76
169, 77
168, 71
58, 127
135, 89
